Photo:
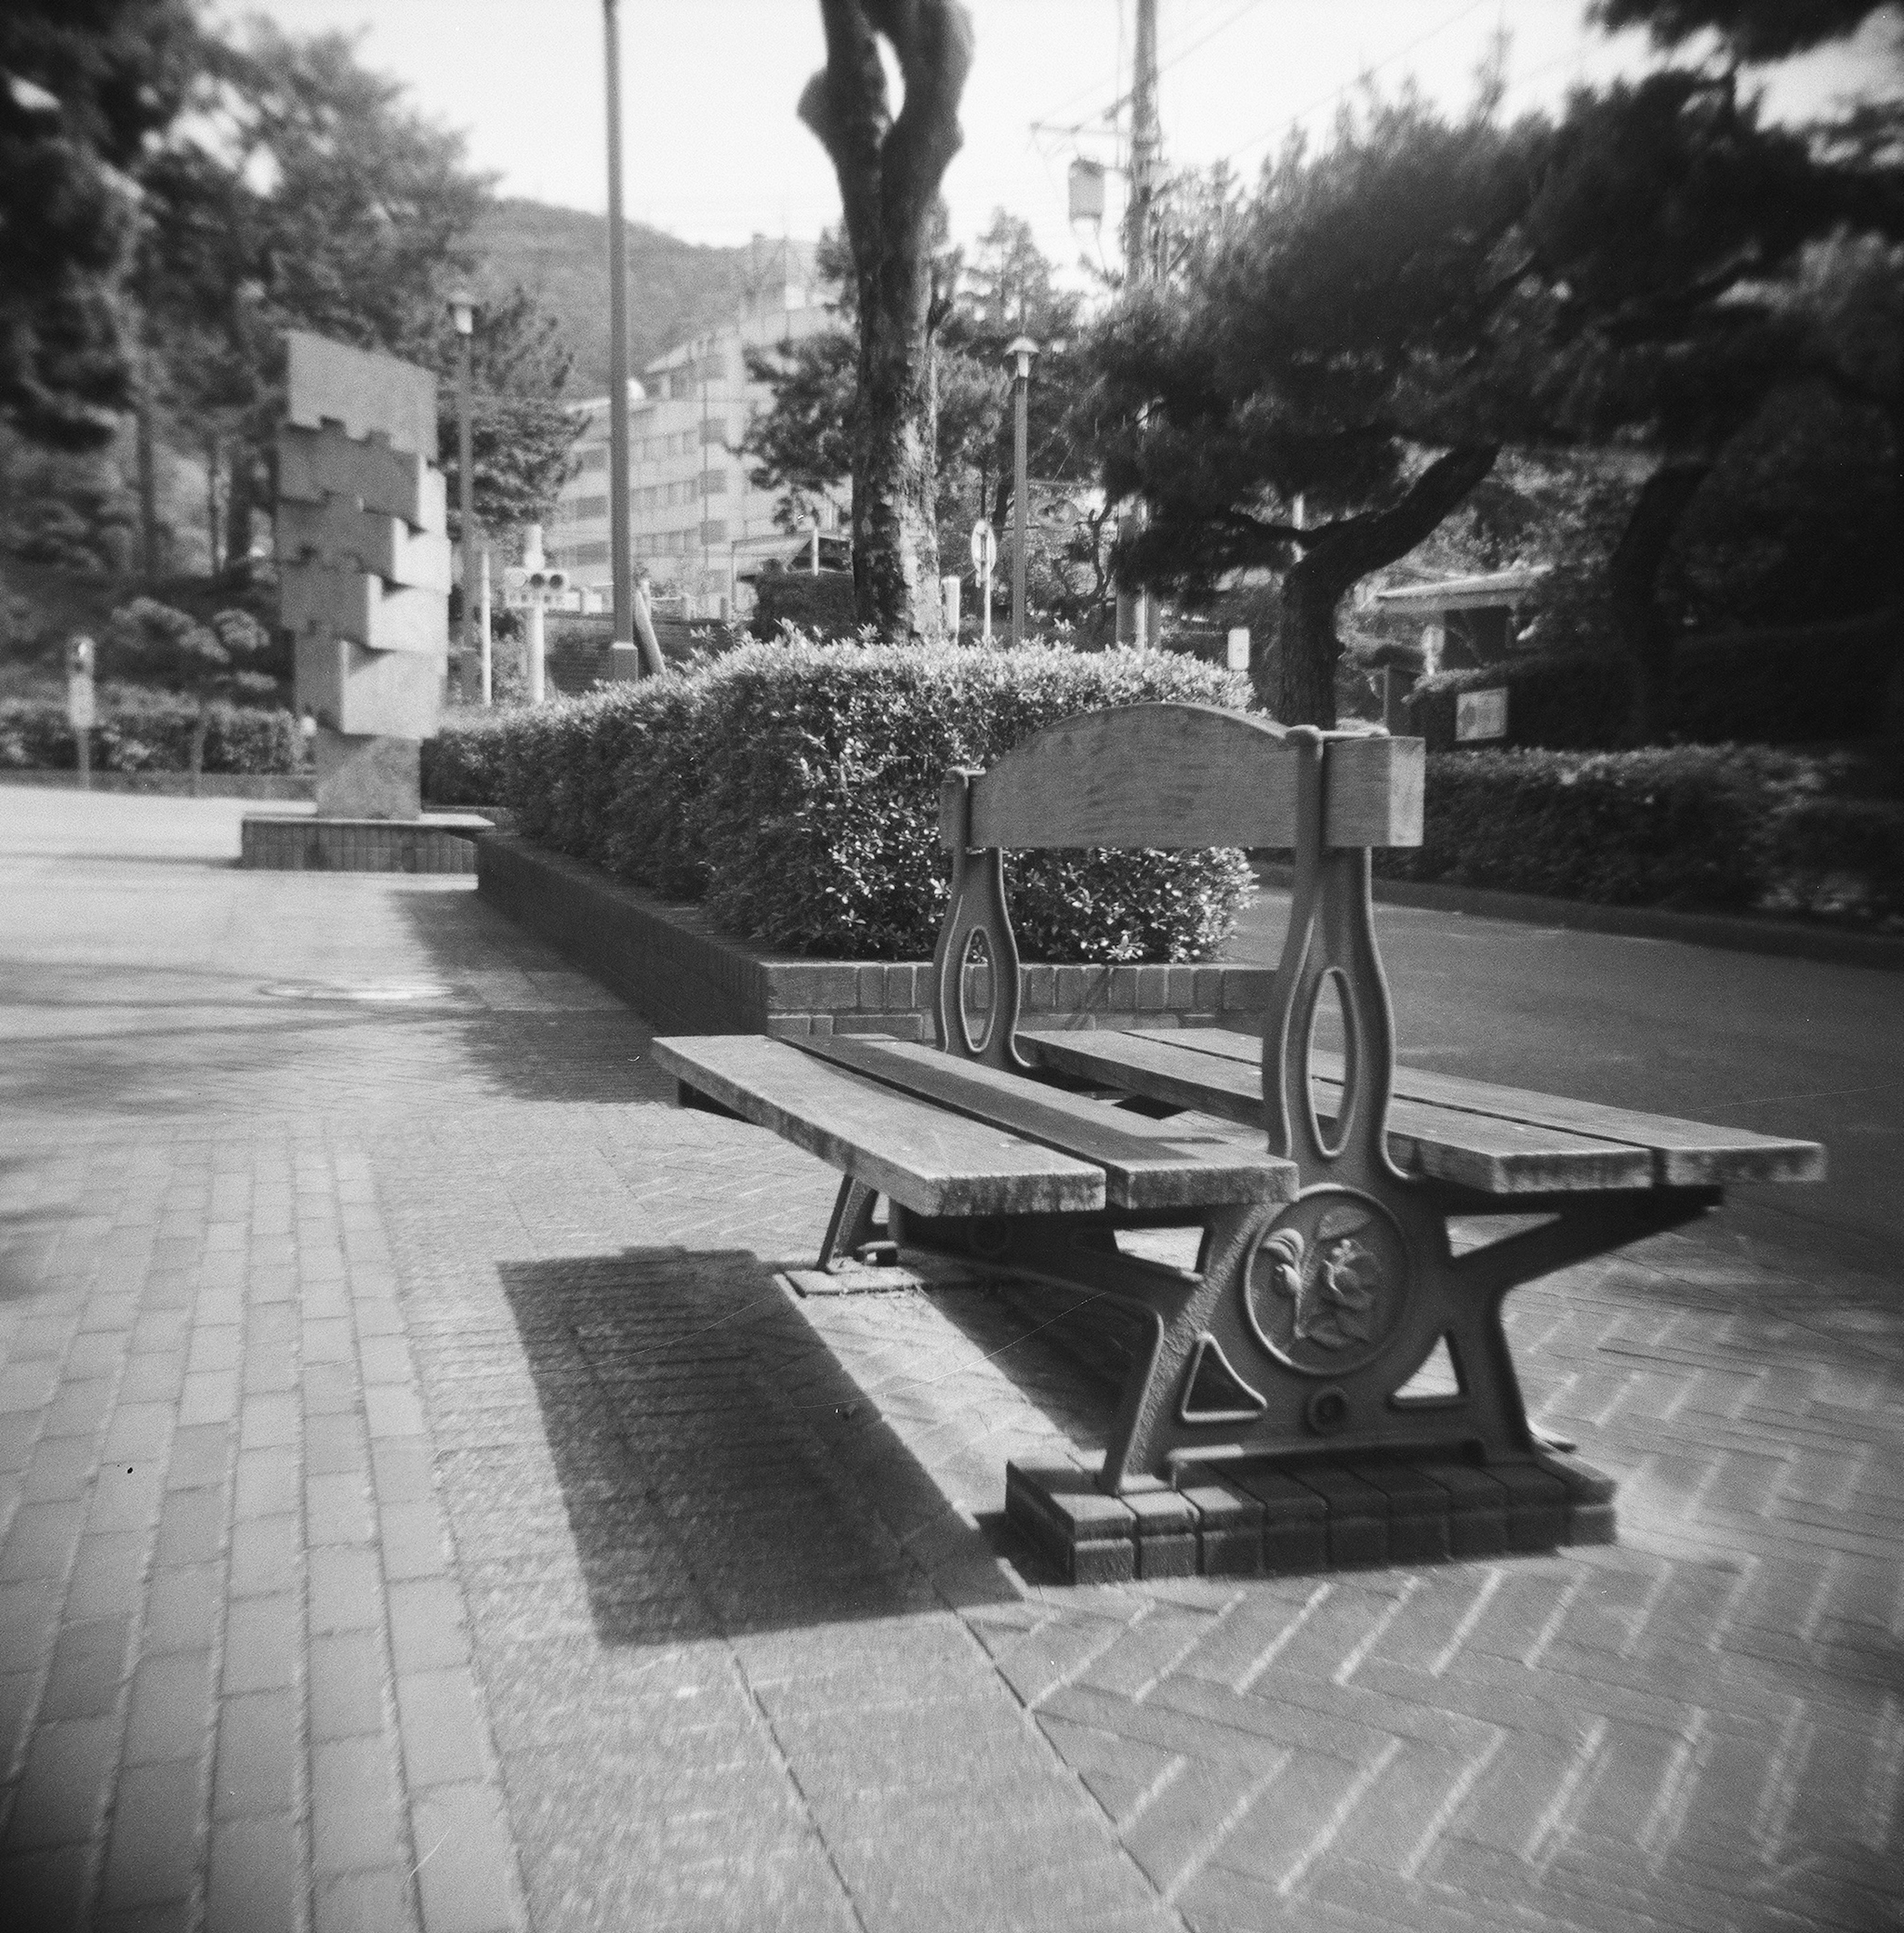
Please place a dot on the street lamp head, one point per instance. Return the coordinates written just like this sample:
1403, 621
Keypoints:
1022, 349
462, 311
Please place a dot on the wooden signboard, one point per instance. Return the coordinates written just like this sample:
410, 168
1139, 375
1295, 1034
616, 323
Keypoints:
1481, 715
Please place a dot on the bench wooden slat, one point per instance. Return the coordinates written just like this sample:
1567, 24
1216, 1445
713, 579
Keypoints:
928, 1160
1685, 1154
1494, 1157
1147, 1164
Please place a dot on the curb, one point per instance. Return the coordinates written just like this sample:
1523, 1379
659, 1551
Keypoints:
1730, 933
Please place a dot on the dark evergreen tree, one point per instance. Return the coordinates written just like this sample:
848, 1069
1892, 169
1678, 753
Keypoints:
85, 85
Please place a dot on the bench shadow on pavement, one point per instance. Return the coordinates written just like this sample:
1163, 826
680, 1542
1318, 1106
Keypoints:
721, 1470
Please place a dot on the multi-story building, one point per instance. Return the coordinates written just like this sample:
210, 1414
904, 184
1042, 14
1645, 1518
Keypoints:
697, 521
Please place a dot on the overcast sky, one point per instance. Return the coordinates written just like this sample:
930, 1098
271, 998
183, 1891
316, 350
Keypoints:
715, 153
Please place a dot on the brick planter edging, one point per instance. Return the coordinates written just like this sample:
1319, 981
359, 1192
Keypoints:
686, 976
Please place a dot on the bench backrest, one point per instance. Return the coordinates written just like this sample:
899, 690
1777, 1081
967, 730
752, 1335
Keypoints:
1167, 777
1172, 777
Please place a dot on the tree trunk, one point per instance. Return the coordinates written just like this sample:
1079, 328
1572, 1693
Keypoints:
241, 500
1334, 557
195, 758
211, 502
1645, 630
150, 564
1306, 647
889, 169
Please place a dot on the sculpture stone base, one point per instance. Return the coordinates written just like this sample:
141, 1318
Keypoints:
439, 842
367, 776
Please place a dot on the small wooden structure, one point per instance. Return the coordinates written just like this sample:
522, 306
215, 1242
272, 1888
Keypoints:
1275, 1391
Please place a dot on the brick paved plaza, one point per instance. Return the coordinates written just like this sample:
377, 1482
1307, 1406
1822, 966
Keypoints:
421, 1508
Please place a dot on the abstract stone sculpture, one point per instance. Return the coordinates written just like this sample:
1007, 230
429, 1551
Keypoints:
364, 570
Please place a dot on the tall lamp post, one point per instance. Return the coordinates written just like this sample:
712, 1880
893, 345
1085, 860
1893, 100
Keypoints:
462, 313
1021, 351
624, 658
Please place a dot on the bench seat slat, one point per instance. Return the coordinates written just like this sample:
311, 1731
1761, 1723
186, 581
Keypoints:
1685, 1154
1147, 1164
927, 1160
1494, 1157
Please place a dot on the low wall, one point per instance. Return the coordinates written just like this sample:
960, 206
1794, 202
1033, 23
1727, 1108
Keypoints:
670, 963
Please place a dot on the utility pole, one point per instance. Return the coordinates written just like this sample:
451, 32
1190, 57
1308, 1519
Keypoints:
1021, 352
624, 659
1140, 261
1136, 610
462, 314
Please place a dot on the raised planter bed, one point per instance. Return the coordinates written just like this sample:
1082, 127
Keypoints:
684, 976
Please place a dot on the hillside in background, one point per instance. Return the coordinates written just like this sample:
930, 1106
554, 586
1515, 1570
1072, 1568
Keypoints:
676, 289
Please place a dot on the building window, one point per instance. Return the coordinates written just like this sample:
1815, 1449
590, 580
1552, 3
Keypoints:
713, 531
713, 483
594, 459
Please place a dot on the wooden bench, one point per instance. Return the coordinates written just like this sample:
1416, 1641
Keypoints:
1290, 1357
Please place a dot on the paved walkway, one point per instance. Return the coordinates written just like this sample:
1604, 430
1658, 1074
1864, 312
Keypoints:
421, 1508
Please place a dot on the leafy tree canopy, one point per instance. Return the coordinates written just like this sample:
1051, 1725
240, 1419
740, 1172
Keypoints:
85, 85
1753, 32
1334, 368
802, 441
230, 657
313, 196
1361, 338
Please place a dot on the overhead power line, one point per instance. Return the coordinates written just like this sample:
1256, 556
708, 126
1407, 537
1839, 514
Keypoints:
1302, 114
1123, 100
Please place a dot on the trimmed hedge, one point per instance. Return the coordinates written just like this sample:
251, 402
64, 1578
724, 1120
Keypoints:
1722, 828
147, 735
795, 788
1809, 686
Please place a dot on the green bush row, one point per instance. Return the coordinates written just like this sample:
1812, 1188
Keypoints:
1724, 828
1824, 682
793, 788
137, 735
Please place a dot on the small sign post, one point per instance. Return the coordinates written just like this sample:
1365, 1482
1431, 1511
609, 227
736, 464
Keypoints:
1239, 648
1481, 715
82, 707
985, 560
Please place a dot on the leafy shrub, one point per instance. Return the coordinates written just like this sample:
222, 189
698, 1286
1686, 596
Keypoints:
1725, 827
160, 645
1792, 687
1838, 859
817, 605
138, 733
461, 765
794, 787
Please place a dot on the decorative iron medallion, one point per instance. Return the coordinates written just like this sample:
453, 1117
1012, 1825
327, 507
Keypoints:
1328, 1283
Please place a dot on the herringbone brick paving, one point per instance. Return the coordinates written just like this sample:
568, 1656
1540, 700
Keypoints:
421, 1507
